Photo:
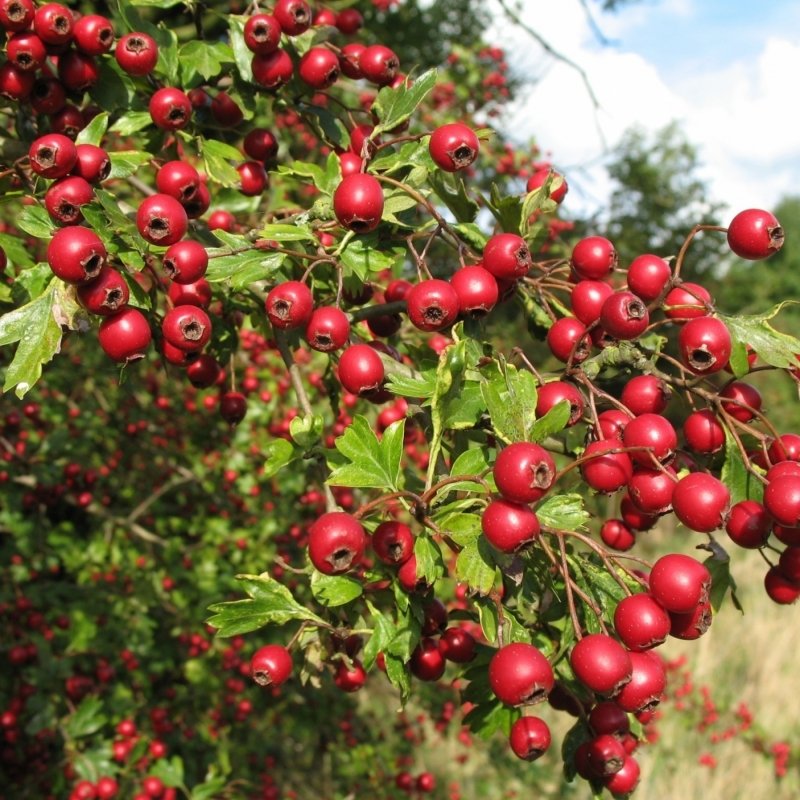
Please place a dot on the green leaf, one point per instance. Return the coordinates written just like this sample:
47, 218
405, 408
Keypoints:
210, 789
553, 421
328, 127
398, 674
452, 192
113, 89
367, 462
35, 221
422, 384
395, 106
241, 53
169, 770
280, 453
510, 397
564, 512
93, 133
203, 58
486, 719
383, 631
574, 738
215, 155
774, 347
430, 562
364, 254
334, 590
719, 565
287, 233
131, 122
270, 603
507, 210
476, 566
489, 619
125, 163
157, 3
16, 250
742, 484
306, 431
473, 235
87, 719
35, 327
242, 269
739, 362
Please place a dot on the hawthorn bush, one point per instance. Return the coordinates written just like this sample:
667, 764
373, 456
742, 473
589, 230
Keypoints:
283, 277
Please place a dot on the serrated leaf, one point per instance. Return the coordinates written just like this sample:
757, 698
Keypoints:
202, 58
35, 327
507, 209
35, 221
395, 106
270, 603
422, 384
452, 192
334, 590
280, 453
113, 88
287, 233
462, 528
125, 163
774, 347
564, 512
489, 619
383, 631
87, 719
368, 463
209, 789
398, 674
16, 251
242, 55
476, 566
216, 155
472, 234
741, 483
430, 562
131, 122
328, 127
170, 771
242, 269
93, 133
364, 255
553, 421
486, 719
510, 397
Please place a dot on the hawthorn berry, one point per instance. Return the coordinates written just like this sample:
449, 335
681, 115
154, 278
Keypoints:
361, 369
432, 305
593, 258
162, 220
523, 472
358, 202
136, 53
125, 336
701, 501
529, 738
271, 665
453, 147
755, 234
289, 305
509, 526
336, 542
679, 583
519, 674
601, 663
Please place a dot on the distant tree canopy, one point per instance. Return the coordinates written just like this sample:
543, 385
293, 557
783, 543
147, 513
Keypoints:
657, 198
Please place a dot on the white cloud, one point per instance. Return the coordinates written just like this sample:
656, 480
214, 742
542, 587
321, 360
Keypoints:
740, 114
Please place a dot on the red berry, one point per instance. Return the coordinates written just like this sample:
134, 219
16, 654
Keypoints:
476, 289
336, 542
262, 34
273, 70
170, 109
361, 369
687, 301
94, 35
379, 64
604, 470
53, 23
136, 53
53, 155
106, 295
755, 234
701, 502
703, 432
319, 68
358, 202
233, 407
393, 542
530, 738
427, 661
185, 261
648, 276
587, 300
601, 663
680, 583
294, 16
457, 645
624, 316
271, 665
432, 305
76, 254
125, 336
162, 220
705, 345
186, 327
641, 622
507, 256
645, 394
749, 524
523, 472
654, 434
509, 526
593, 258
289, 305
551, 394
520, 675
328, 329
453, 146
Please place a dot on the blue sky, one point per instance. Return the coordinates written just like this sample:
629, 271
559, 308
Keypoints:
726, 70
